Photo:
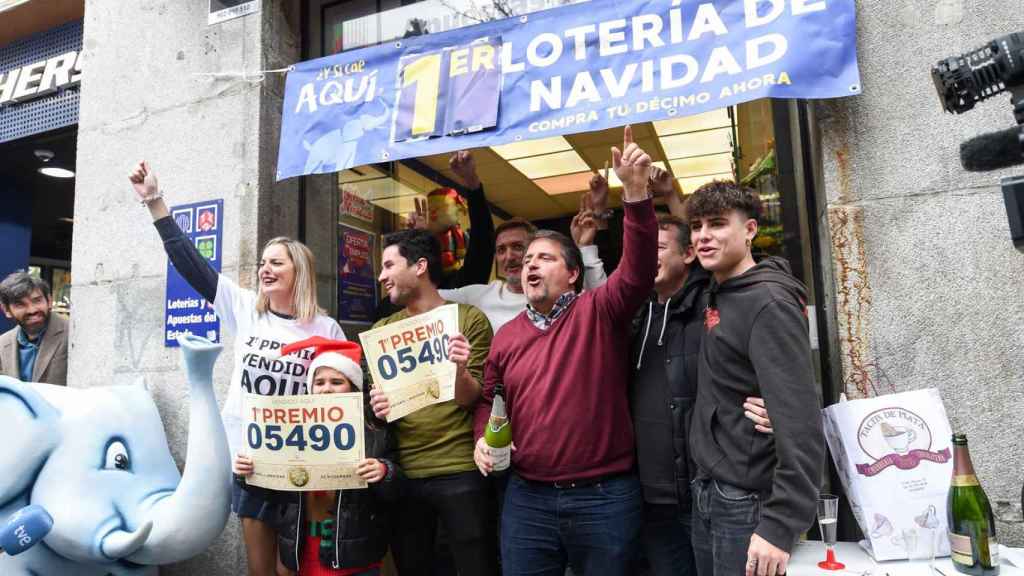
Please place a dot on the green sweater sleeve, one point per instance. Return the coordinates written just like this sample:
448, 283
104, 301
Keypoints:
477, 330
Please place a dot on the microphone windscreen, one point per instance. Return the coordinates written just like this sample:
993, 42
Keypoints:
992, 151
24, 529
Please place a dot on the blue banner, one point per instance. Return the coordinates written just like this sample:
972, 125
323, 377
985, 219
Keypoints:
185, 311
575, 68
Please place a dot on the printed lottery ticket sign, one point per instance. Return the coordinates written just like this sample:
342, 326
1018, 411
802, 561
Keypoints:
306, 442
409, 360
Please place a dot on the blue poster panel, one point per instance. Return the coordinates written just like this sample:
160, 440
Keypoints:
185, 311
357, 284
574, 68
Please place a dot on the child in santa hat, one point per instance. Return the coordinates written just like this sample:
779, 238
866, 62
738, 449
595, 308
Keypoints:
342, 532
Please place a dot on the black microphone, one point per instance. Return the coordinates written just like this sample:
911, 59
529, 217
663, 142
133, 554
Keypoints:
993, 151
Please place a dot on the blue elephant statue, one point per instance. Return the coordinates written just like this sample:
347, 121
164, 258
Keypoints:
97, 460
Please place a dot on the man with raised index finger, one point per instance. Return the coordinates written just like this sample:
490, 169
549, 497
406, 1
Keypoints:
573, 497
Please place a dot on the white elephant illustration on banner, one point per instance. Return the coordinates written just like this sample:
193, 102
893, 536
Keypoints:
96, 459
336, 150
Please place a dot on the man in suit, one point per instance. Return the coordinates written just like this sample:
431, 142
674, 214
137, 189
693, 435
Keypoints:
36, 350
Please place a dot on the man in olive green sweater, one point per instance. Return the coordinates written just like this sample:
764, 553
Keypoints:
435, 444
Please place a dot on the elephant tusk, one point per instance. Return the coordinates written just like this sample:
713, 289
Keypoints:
119, 544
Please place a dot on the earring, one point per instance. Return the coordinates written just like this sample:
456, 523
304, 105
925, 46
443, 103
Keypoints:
748, 243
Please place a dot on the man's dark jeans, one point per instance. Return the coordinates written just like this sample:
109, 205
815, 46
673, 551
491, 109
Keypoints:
464, 504
592, 528
724, 519
666, 538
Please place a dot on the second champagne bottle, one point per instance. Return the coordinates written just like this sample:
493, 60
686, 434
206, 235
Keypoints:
498, 434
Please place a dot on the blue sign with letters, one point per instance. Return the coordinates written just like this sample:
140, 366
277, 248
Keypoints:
185, 311
574, 68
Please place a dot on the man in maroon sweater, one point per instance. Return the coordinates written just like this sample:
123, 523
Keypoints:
573, 497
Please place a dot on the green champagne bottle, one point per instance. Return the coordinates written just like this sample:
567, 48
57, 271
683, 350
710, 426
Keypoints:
972, 528
498, 434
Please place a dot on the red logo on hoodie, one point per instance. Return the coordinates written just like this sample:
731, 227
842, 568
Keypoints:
711, 318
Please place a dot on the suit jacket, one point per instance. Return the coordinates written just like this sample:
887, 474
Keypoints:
51, 362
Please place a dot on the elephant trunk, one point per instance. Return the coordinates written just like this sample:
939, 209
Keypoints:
119, 543
187, 521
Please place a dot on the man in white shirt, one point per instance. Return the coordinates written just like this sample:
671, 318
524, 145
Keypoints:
503, 299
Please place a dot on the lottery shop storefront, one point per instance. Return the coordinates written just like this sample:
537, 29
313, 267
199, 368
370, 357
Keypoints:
768, 144
716, 91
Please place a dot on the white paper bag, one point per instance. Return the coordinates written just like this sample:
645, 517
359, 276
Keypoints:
894, 456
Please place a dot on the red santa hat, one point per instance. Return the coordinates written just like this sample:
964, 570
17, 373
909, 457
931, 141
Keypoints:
342, 355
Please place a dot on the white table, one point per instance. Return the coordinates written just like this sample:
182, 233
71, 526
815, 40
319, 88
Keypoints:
806, 555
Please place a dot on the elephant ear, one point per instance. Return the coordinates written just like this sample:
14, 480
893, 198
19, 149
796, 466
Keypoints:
32, 433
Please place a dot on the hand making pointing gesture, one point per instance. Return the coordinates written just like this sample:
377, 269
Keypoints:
632, 166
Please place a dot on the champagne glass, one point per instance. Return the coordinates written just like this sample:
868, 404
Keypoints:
828, 516
933, 544
919, 543
909, 538
929, 523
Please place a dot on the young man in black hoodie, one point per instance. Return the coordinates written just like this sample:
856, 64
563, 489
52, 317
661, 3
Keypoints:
663, 388
754, 493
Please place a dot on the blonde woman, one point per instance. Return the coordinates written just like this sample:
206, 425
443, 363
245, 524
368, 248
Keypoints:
282, 310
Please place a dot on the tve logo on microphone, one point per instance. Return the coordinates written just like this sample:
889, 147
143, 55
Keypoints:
24, 529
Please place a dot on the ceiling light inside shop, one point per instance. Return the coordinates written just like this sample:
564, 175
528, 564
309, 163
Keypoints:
705, 121
697, 143
56, 172
565, 183
702, 165
532, 147
688, 185
536, 167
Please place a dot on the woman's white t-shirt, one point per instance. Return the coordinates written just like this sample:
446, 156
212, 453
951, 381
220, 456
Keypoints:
258, 338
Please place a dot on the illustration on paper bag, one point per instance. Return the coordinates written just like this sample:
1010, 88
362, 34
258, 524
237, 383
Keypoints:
896, 437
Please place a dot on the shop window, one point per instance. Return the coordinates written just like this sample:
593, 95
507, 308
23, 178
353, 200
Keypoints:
376, 200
